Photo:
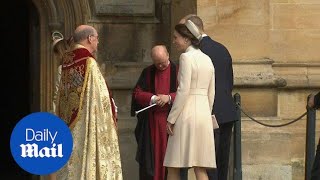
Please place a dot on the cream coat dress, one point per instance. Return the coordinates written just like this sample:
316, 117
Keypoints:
192, 144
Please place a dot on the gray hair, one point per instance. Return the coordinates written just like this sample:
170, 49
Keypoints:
81, 35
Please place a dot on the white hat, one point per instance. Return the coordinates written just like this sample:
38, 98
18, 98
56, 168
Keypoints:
193, 29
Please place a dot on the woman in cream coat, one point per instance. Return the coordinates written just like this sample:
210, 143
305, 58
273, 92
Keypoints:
191, 141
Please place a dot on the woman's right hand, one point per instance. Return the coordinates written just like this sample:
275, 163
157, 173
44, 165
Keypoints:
170, 128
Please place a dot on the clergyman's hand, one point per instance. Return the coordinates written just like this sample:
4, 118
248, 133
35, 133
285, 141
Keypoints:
170, 128
158, 101
154, 99
164, 99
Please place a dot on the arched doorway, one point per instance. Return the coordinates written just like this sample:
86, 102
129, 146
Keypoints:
29, 73
20, 78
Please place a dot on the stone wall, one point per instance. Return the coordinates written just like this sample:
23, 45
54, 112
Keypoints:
270, 41
274, 45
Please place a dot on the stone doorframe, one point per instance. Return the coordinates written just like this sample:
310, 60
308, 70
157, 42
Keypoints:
64, 16
55, 15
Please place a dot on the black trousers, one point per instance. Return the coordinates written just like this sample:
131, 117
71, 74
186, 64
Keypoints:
315, 172
222, 138
184, 174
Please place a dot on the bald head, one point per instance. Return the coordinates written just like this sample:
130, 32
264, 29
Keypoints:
87, 36
160, 57
82, 32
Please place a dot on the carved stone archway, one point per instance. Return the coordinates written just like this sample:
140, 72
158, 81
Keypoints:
55, 15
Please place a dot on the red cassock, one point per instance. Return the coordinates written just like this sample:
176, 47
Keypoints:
156, 82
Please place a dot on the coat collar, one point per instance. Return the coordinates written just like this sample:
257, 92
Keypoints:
190, 48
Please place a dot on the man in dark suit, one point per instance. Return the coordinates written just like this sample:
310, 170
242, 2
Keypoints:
314, 102
224, 107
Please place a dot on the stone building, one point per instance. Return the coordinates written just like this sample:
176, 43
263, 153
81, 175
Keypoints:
274, 45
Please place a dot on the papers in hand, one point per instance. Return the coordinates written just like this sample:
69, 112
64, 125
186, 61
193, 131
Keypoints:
214, 122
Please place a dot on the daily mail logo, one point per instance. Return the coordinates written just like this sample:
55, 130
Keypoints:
32, 150
41, 143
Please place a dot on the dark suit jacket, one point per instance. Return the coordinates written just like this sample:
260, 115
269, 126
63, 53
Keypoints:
224, 107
